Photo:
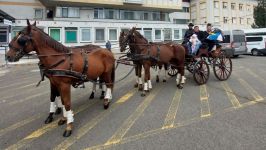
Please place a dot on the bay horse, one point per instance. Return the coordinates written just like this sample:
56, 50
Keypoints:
154, 54
138, 65
64, 66
56, 106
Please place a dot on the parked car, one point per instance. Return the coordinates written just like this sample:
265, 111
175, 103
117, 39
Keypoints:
234, 43
256, 41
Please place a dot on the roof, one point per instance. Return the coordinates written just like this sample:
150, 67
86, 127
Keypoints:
4, 15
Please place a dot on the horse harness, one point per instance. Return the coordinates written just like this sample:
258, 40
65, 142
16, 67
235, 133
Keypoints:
80, 76
148, 56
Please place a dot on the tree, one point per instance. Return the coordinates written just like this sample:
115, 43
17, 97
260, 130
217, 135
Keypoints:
260, 15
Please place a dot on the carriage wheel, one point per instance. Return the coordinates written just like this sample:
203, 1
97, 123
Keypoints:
172, 71
201, 72
222, 67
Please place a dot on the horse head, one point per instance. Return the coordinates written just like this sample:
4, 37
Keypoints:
21, 44
123, 41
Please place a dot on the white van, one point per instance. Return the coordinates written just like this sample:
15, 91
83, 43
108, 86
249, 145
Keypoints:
234, 43
256, 41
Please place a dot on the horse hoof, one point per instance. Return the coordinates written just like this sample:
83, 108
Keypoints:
67, 133
106, 106
143, 94
164, 80
147, 91
102, 95
58, 111
136, 85
61, 122
180, 86
92, 95
49, 119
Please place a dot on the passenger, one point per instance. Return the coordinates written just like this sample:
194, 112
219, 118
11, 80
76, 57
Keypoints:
188, 33
194, 44
199, 33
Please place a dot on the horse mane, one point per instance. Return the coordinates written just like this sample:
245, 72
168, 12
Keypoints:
52, 42
140, 36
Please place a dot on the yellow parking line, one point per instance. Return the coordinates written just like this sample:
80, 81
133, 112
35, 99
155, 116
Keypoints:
204, 98
256, 76
46, 128
120, 133
170, 117
92, 123
253, 92
19, 124
235, 102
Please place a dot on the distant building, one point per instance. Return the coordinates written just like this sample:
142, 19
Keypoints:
226, 14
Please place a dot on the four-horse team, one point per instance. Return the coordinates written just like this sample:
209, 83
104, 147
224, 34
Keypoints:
72, 66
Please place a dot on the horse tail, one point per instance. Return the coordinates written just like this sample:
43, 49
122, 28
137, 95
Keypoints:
113, 75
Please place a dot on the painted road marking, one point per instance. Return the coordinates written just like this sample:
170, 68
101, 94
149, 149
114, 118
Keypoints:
119, 134
162, 130
204, 99
253, 92
28, 98
19, 124
93, 122
49, 127
170, 117
235, 102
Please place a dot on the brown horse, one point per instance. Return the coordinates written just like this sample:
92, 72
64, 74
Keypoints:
65, 67
154, 54
56, 106
138, 65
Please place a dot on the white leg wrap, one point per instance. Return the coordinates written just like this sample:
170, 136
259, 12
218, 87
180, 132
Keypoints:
103, 87
59, 103
108, 94
165, 74
94, 87
159, 72
140, 81
149, 84
70, 116
64, 112
178, 78
145, 86
183, 79
137, 79
52, 107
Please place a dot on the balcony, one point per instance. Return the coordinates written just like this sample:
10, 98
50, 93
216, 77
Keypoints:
139, 2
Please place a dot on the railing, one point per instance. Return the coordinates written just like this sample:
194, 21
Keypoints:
133, 1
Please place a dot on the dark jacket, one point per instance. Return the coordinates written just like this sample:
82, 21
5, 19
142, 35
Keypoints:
108, 45
201, 35
188, 34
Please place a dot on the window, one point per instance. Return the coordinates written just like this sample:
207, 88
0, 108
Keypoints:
71, 35
225, 19
167, 34
85, 34
239, 38
67, 12
113, 34
234, 21
111, 14
254, 39
148, 34
241, 20
233, 6
147, 16
64, 12
216, 4
38, 13
224, 5
55, 33
4, 35
98, 13
176, 34
185, 9
241, 7
156, 16
158, 34
181, 21
99, 35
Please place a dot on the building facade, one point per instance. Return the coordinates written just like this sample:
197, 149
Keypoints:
78, 22
226, 14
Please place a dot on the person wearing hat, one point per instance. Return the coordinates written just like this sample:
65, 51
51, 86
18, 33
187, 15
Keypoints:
188, 33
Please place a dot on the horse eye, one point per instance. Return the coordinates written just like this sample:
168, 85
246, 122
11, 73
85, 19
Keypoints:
22, 41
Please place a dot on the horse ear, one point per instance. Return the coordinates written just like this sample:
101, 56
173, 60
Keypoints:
28, 22
34, 24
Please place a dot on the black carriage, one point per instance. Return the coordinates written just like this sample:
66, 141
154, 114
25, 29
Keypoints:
199, 65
